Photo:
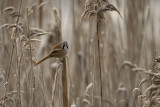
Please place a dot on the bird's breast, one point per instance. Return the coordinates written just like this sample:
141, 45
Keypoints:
62, 53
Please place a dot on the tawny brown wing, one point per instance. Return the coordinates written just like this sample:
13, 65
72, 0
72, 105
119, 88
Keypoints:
55, 52
57, 46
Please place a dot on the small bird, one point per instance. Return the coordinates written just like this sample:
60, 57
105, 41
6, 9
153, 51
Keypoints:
60, 50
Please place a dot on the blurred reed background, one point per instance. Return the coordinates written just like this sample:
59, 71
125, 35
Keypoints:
112, 61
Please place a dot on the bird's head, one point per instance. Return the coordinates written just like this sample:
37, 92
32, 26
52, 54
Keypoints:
65, 45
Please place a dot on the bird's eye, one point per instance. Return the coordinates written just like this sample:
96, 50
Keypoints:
67, 46
63, 46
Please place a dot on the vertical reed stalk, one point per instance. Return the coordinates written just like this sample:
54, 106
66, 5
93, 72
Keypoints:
1, 4
18, 63
41, 15
78, 60
64, 84
64, 71
99, 59
31, 64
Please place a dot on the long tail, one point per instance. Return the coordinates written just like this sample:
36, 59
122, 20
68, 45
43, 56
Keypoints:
41, 60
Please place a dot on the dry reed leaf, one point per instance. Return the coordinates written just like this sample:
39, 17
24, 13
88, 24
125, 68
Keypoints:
153, 101
88, 9
36, 30
110, 102
42, 4
15, 26
88, 87
122, 89
4, 25
29, 59
149, 72
86, 101
152, 87
14, 13
27, 48
136, 92
84, 14
55, 84
57, 18
101, 16
87, 95
22, 38
146, 103
9, 9
31, 40
20, 57
13, 35
13, 92
142, 97
40, 34
35, 40
31, 10
143, 81
7, 98
156, 81
129, 64
99, 12
90, 3
91, 13
158, 100
153, 94
107, 7
138, 69
5, 83
157, 68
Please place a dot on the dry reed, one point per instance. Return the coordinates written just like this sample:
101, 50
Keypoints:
111, 60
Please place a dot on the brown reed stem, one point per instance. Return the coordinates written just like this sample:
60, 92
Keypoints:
3, 37
64, 84
32, 75
18, 65
40, 14
99, 61
64, 71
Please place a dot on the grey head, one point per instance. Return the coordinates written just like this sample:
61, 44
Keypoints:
65, 44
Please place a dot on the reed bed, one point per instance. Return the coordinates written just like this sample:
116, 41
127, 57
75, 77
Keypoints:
113, 58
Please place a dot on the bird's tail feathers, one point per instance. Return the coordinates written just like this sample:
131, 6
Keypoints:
41, 60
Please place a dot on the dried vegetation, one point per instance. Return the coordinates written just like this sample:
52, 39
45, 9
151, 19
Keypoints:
113, 58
